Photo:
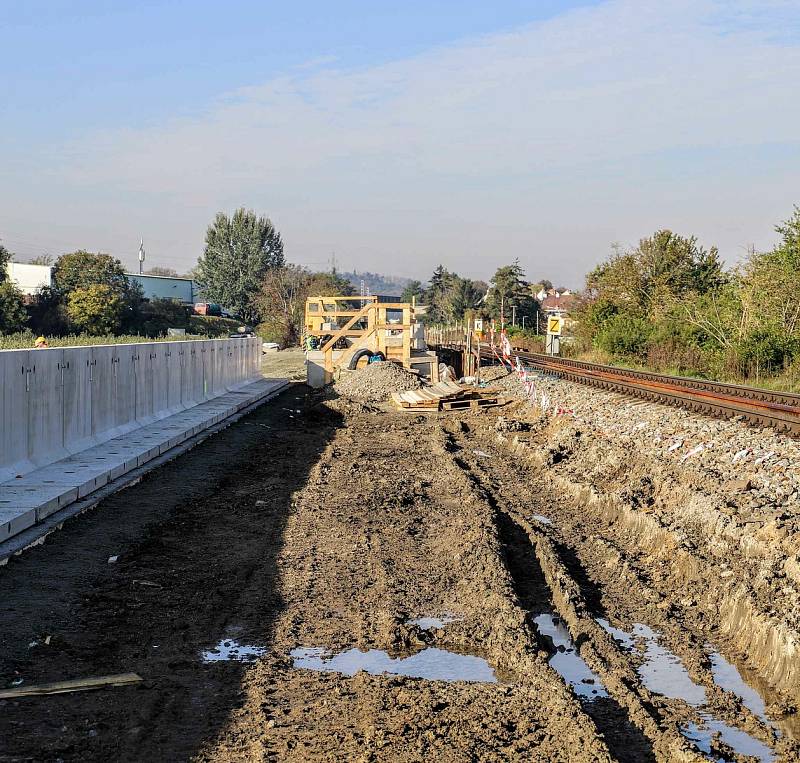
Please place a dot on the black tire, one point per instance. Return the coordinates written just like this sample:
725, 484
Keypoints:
360, 354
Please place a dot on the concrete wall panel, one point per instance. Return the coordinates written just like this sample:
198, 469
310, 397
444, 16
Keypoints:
101, 378
145, 410
208, 369
14, 372
62, 400
160, 372
46, 407
192, 379
219, 355
124, 376
174, 362
77, 399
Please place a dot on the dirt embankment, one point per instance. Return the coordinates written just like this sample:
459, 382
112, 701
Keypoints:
715, 523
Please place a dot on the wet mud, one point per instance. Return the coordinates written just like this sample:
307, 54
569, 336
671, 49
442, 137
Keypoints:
326, 581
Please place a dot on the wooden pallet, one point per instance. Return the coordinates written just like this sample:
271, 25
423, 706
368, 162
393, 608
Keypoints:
471, 403
444, 396
431, 397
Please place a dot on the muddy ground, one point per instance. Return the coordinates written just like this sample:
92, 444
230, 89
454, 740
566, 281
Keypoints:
321, 524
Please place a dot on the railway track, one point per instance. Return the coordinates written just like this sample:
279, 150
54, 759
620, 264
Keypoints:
758, 407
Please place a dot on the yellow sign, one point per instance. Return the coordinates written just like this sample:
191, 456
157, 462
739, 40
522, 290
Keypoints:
554, 325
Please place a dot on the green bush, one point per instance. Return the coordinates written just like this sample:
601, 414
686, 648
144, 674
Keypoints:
24, 340
624, 335
95, 309
12, 310
158, 315
212, 327
766, 350
275, 331
47, 313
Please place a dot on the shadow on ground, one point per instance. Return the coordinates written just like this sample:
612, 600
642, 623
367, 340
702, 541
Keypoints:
197, 543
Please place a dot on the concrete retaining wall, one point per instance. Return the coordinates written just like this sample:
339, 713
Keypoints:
59, 401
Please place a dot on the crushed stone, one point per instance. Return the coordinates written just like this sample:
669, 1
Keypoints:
376, 382
760, 465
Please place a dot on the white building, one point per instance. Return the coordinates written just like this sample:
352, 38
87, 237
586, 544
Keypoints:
29, 278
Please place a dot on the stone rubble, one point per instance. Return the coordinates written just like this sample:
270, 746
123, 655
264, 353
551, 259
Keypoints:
760, 464
376, 382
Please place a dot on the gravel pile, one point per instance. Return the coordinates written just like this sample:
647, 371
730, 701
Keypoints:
766, 463
376, 382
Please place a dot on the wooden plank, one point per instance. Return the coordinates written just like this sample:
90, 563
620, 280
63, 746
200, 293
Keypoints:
79, 684
477, 402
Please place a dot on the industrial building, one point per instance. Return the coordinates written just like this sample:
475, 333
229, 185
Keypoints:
29, 279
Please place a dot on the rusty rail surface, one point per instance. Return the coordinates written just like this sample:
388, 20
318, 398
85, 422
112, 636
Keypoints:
759, 407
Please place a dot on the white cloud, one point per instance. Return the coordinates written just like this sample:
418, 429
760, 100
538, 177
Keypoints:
550, 140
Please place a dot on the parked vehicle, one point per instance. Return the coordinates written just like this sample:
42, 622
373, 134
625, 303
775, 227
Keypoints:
242, 332
207, 308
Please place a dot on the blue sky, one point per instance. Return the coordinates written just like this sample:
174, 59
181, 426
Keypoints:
399, 135
130, 63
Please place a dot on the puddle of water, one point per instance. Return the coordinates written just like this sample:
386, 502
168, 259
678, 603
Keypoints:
738, 740
231, 650
625, 640
663, 672
728, 677
429, 623
542, 519
567, 662
433, 664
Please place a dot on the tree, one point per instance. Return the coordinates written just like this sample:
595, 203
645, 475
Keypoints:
81, 269
769, 282
239, 252
12, 309
158, 270
449, 296
662, 268
509, 290
5, 258
95, 309
47, 313
327, 284
281, 302
282, 298
42, 259
413, 290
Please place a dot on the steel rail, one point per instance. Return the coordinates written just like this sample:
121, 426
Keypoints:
760, 407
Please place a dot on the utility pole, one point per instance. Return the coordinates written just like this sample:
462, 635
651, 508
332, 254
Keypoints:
513, 315
523, 322
141, 255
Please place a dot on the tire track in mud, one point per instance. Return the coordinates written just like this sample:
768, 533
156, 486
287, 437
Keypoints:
592, 643
577, 599
385, 530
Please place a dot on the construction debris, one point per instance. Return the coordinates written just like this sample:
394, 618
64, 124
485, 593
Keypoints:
79, 684
376, 382
444, 396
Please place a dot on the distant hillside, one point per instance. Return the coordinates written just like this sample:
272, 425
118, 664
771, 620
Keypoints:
391, 286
